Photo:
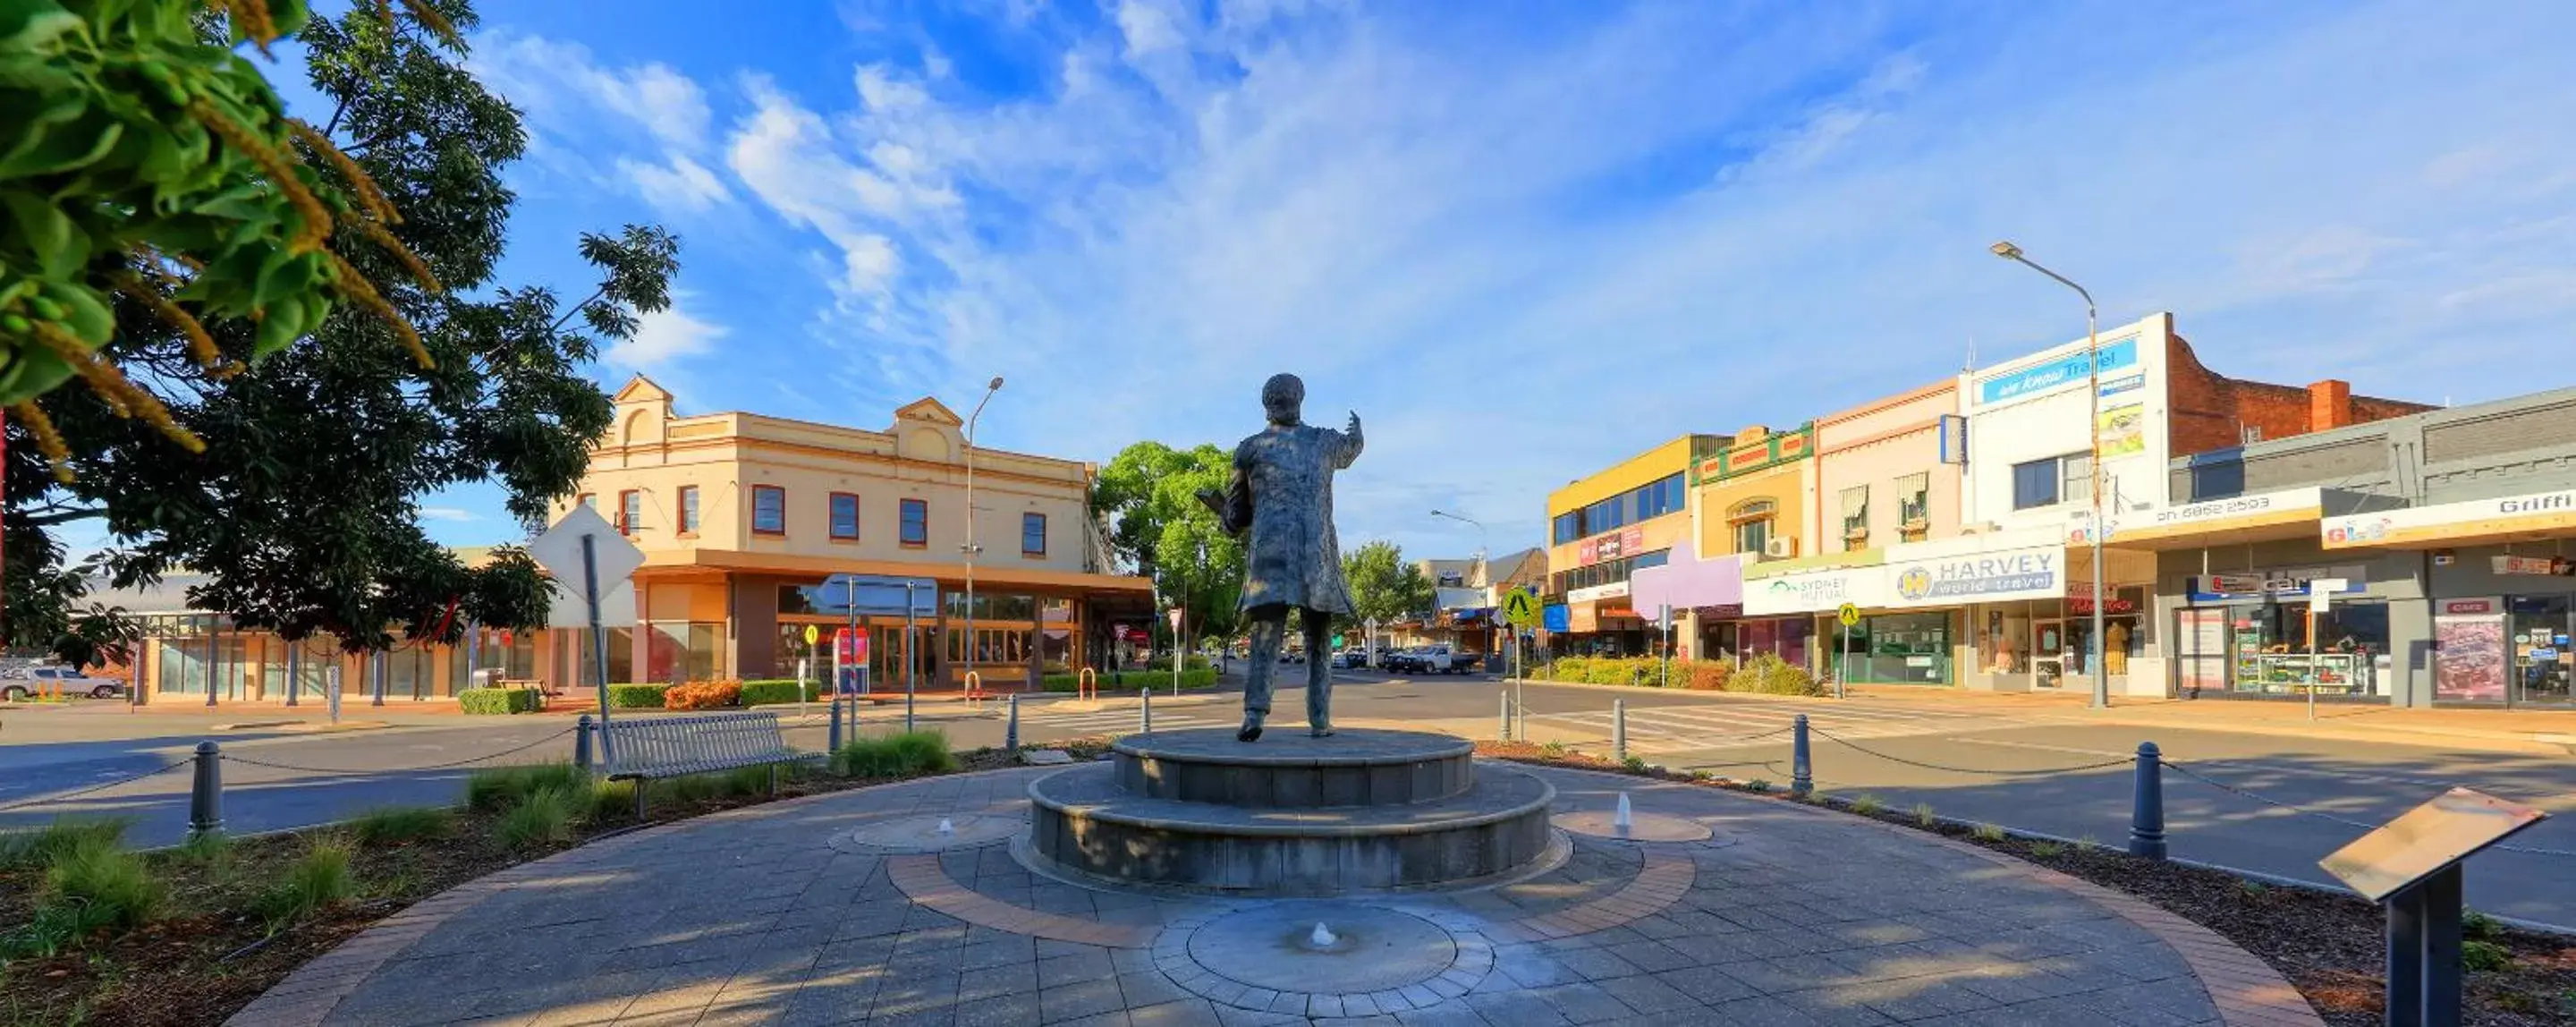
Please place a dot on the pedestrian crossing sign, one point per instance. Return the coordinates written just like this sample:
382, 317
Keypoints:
1520, 607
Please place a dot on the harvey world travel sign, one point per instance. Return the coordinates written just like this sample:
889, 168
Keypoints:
2037, 572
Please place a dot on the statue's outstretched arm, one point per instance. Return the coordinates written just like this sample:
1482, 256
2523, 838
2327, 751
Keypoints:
1351, 443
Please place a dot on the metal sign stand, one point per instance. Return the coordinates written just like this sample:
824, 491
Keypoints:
2411, 867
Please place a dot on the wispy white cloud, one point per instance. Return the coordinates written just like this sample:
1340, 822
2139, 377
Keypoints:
566, 93
665, 337
449, 513
1523, 252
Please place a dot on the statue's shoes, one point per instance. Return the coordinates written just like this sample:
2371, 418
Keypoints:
1251, 732
1321, 732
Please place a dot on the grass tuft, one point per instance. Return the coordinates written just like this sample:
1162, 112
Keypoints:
495, 788
39, 847
396, 825
1923, 814
1868, 806
2484, 956
92, 884
2047, 850
1757, 785
909, 754
543, 818
1987, 833
317, 880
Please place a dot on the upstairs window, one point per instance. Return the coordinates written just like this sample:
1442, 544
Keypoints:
845, 517
1752, 520
688, 509
1914, 506
630, 511
768, 510
1032, 534
1856, 517
915, 525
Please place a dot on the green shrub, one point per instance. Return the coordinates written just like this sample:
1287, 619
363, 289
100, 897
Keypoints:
395, 825
1757, 785
543, 817
2484, 956
500, 700
909, 754
495, 788
2474, 924
317, 880
37, 847
1193, 662
94, 884
1767, 674
1923, 814
1987, 833
1868, 806
1633, 764
2047, 850
776, 692
1703, 675
636, 696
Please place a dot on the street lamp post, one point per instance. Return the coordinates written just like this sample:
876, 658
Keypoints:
2093, 429
971, 547
1481, 539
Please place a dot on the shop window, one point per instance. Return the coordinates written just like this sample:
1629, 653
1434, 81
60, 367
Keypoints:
768, 510
1569, 527
1914, 506
683, 651
1856, 517
2035, 484
845, 517
916, 523
630, 512
2078, 471
1752, 520
688, 510
621, 655
1032, 534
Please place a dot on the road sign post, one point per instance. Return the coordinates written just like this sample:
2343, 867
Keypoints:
1520, 609
1849, 615
583, 547
2320, 600
1177, 651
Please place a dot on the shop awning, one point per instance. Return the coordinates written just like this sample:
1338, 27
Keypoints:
2237, 520
2529, 517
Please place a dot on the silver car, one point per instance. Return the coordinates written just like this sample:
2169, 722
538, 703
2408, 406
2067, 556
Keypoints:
26, 682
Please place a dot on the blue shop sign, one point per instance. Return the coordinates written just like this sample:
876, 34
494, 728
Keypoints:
2038, 378
1556, 618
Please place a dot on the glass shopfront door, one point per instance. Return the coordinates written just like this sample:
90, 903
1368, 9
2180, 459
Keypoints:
2536, 639
2050, 657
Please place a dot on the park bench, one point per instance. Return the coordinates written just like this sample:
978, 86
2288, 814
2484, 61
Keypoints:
647, 749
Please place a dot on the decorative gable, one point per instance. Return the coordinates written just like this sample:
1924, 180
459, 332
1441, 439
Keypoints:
928, 410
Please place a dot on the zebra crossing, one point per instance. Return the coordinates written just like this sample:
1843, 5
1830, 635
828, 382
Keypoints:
1675, 728
1119, 719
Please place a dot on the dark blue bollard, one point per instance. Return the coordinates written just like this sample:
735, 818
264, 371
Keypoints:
1802, 777
1619, 730
1011, 726
206, 798
581, 729
1145, 710
2147, 805
833, 743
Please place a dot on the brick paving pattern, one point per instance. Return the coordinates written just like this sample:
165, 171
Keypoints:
1787, 915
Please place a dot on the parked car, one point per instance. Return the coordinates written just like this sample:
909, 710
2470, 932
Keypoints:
1432, 659
23, 682
1351, 659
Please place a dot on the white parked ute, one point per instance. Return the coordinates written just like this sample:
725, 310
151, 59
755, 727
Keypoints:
1431, 659
21, 683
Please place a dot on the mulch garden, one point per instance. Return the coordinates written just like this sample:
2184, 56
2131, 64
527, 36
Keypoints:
2329, 945
212, 950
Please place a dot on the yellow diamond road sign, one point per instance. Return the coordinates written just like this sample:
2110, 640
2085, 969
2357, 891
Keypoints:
812, 634
1520, 608
1850, 615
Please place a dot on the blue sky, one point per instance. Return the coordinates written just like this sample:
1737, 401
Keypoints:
1525, 240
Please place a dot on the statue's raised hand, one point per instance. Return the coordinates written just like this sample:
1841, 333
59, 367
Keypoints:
1355, 422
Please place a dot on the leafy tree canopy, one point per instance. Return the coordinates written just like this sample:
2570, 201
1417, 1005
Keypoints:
311, 304
1384, 586
1148, 495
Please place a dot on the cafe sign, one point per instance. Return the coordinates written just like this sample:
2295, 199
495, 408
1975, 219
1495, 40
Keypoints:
2288, 581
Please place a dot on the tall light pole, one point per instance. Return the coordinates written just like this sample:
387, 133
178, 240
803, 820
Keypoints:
971, 547
2093, 430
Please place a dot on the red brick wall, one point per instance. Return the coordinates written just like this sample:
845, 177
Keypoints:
2210, 411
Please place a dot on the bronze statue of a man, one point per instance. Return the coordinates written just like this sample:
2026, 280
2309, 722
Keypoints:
1282, 494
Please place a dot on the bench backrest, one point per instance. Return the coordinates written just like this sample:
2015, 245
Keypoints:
670, 746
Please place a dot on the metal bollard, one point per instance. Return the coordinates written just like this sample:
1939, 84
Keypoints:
1145, 710
1506, 734
206, 798
832, 739
1802, 774
2147, 805
1011, 723
1619, 730
581, 729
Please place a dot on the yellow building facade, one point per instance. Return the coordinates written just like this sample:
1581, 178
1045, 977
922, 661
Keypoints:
1609, 524
740, 516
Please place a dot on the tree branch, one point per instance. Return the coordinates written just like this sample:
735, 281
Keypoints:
65, 517
577, 308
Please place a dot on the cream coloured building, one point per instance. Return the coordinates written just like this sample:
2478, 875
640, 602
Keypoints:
741, 515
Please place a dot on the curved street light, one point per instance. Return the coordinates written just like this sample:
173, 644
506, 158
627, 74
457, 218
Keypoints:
2093, 430
972, 547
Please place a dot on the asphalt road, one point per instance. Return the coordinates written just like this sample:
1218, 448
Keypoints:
2030, 771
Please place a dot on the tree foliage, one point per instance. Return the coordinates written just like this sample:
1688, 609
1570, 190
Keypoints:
1384, 586
1148, 494
302, 510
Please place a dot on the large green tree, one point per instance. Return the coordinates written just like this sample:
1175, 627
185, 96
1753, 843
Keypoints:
302, 508
1148, 496
1384, 586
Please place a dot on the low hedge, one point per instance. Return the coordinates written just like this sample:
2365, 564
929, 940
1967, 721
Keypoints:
1127, 680
779, 691
500, 700
1764, 674
636, 697
703, 695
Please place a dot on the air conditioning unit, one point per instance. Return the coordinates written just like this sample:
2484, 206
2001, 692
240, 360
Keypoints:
1779, 548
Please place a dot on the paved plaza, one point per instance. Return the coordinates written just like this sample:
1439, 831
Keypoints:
854, 907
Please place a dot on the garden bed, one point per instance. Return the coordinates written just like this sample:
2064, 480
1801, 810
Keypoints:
2328, 945
230, 926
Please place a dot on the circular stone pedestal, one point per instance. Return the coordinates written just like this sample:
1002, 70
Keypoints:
1290, 815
